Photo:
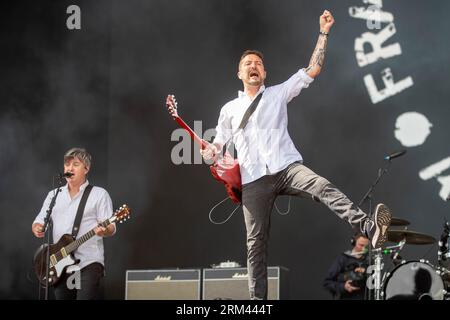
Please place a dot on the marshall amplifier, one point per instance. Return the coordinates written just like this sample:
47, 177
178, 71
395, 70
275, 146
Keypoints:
175, 284
232, 284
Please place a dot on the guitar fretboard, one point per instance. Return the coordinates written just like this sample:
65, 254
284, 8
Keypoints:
191, 132
85, 237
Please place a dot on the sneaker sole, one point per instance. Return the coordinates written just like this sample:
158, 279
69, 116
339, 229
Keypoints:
382, 220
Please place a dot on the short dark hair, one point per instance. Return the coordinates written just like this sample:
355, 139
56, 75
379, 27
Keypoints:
356, 236
255, 52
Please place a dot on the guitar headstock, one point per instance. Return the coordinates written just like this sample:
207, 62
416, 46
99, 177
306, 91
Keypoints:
171, 104
121, 215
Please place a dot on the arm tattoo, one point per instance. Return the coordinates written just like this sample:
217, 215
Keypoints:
318, 55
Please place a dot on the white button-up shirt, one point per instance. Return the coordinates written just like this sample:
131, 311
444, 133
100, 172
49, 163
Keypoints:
98, 209
264, 147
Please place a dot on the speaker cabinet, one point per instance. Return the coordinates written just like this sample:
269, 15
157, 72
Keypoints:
173, 284
232, 284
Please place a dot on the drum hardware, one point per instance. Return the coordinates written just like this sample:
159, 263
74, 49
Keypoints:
396, 258
378, 267
409, 280
377, 277
374, 281
445, 273
443, 251
394, 249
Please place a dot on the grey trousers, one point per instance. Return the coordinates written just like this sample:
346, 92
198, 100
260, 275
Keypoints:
258, 199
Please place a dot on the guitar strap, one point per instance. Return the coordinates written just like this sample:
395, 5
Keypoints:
250, 111
246, 116
244, 122
80, 211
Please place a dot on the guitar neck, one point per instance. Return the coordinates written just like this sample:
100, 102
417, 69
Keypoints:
85, 237
191, 132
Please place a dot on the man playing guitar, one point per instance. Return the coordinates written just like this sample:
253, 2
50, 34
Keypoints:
270, 164
77, 163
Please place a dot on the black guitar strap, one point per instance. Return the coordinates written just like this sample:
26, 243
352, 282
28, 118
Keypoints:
244, 122
250, 111
80, 211
245, 118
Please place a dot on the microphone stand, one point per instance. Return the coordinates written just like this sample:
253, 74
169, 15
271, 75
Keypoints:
368, 196
48, 224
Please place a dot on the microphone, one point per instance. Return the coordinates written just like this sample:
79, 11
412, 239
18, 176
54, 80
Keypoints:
395, 155
66, 175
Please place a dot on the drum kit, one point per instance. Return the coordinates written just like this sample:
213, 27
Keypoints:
413, 279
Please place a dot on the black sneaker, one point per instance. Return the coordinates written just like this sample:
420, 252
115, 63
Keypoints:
376, 229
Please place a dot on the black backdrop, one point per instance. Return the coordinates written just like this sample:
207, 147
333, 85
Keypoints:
104, 86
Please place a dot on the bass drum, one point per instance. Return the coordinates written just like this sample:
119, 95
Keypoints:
414, 280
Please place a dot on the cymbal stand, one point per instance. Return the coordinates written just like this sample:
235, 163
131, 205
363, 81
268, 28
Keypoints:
377, 268
369, 196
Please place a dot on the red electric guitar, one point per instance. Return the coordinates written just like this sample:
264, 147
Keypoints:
225, 170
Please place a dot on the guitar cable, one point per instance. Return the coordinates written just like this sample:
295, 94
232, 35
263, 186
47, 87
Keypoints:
287, 210
228, 218
231, 214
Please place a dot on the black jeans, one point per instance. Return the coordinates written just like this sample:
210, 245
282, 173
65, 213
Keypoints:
91, 284
258, 198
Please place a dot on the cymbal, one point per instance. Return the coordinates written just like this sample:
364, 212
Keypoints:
410, 237
399, 222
